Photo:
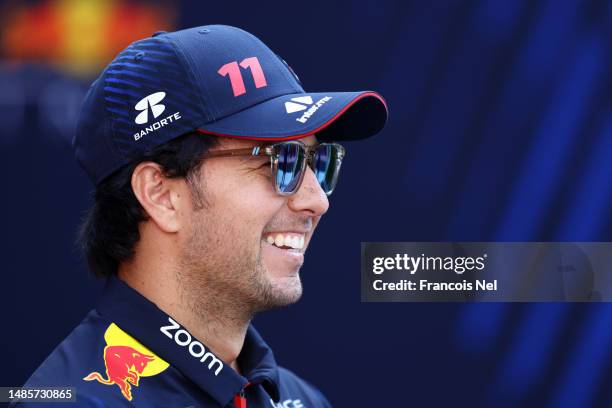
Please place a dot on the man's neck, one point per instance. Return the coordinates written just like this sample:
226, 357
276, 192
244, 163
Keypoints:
214, 322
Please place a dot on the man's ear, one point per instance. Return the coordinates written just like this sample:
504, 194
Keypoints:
159, 195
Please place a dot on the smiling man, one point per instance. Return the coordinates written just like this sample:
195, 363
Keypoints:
212, 169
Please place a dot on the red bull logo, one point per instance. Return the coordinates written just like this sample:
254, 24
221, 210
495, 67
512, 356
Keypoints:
126, 360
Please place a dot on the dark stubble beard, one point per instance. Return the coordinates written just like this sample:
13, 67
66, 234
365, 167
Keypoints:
226, 282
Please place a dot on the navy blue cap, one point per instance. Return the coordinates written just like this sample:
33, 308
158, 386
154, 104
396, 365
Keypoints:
217, 80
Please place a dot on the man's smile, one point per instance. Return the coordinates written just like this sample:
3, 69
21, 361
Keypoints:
284, 249
286, 240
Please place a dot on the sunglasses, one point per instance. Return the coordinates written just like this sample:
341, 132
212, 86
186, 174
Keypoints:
288, 161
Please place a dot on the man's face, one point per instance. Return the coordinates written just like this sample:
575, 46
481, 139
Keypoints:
226, 245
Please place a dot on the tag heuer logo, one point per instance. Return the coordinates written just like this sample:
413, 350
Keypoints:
150, 103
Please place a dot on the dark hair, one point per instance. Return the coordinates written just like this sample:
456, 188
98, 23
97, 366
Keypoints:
109, 231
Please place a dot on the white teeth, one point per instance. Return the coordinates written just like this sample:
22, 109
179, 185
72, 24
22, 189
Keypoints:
292, 241
279, 241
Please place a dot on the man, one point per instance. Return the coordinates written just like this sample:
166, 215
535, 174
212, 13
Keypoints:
212, 169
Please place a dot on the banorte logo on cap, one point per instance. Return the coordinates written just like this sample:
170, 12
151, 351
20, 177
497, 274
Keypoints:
126, 360
151, 104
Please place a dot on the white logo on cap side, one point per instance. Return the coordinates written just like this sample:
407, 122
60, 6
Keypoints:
152, 103
291, 107
305, 103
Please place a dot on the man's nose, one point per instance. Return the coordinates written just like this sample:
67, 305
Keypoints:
310, 197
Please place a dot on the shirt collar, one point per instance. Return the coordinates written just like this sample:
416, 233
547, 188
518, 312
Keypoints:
144, 321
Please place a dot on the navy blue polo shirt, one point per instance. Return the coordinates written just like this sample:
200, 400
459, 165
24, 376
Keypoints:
129, 353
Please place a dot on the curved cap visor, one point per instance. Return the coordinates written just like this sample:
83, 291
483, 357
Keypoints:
331, 115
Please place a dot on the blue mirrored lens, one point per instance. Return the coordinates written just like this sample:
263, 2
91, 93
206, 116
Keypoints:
325, 166
290, 164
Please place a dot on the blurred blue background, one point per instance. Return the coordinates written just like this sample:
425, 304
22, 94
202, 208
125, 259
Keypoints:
500, 130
